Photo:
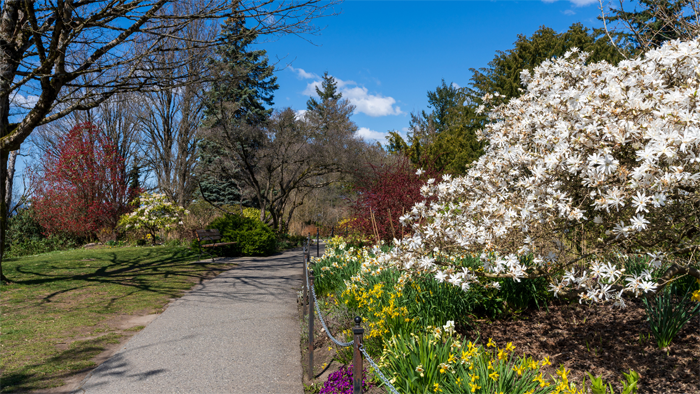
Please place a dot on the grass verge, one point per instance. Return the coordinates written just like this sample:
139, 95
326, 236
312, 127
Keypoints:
64, 307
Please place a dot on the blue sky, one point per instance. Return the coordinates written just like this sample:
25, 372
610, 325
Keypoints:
386, 55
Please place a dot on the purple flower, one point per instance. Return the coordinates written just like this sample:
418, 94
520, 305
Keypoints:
340, 382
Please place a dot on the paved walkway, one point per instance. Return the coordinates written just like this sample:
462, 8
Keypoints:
237, 333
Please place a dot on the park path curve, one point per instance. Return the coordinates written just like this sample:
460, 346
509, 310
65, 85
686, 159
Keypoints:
236, 333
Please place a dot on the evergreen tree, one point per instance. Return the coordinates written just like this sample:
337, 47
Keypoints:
245, 79
442, 100
243, 75
328, 91
446, 137
330, 111
503, 73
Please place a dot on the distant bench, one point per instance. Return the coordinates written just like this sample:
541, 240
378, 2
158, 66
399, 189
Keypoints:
209, 235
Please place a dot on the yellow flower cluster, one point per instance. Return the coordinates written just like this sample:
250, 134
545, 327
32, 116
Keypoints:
375, 303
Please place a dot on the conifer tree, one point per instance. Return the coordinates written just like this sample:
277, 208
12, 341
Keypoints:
245, 79
330, 111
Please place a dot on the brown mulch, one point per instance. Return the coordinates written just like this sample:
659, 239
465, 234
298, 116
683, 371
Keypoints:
604, 342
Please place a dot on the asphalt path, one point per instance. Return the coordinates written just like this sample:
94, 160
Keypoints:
237, 333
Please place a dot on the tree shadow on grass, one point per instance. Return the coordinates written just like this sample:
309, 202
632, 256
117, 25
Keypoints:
140, 272
52, 371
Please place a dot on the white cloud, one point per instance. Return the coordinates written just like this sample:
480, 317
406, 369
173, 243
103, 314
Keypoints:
370, 104
569, 12
581, 3
311, 88
300, 114
454, 85
368, 134
21, 101
303, 74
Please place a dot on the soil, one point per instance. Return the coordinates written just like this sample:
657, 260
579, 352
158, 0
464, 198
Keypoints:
605, 342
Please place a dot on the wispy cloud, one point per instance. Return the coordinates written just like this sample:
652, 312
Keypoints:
569, 12
581, 3
303, 74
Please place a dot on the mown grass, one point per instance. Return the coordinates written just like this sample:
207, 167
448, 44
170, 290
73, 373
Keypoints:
55, 314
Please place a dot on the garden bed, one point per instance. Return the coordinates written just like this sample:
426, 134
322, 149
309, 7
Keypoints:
519, 328
605, 342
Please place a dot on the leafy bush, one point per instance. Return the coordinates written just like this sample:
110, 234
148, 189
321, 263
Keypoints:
25, 236
387, 193
153, 214
252, 237
32, 246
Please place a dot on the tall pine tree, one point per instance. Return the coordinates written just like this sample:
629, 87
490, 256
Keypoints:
245, 79
330, 110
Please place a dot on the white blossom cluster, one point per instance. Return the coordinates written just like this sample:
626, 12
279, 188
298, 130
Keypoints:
610, 149
153, 213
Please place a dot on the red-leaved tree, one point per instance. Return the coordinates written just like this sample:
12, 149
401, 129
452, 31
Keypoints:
385, 194
83, 186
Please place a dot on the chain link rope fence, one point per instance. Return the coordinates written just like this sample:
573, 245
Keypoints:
312, 291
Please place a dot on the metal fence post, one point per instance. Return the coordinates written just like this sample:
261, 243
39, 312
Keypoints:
305, 294
311, 328
318, 244
357, 331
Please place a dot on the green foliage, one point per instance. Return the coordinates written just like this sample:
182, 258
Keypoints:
25, 236
252, 237
668, 313
327, 92
436, 360
154, 213
629, 385
446, 137
331, 112
503, 73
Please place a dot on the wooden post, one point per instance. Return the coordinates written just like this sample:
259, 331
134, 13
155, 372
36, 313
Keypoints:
311, 328
357, 331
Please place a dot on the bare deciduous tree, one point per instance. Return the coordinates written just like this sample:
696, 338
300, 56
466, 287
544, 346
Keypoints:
658, 21
171, 115
283, 159
57, 57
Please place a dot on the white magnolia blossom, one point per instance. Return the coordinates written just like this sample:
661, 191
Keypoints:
609, 152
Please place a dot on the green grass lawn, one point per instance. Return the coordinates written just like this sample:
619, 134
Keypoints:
56, 315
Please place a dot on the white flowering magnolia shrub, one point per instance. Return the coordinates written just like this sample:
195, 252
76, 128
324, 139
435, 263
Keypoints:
594, 167
153, 214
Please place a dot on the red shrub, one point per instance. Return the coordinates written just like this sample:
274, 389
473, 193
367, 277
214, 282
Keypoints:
386, 193
83, 187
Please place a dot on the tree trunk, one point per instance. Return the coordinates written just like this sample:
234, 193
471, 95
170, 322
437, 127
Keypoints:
4, 155
10, 179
